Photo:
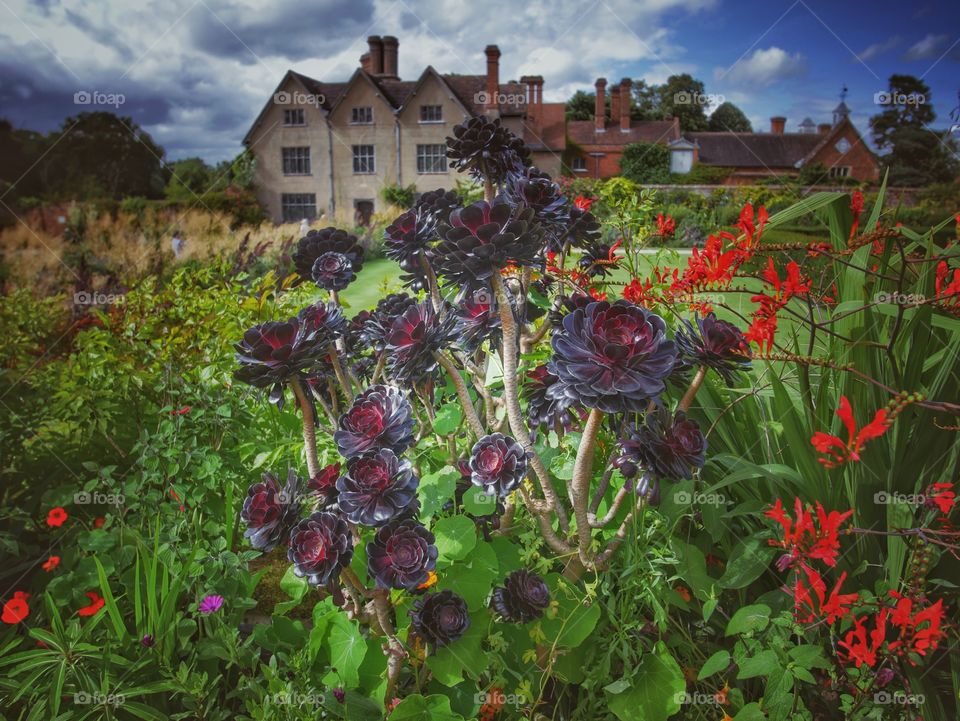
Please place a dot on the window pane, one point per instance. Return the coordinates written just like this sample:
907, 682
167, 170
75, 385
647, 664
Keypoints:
363, 159
431, 113
362, 115
431, 158
296, 161
297, 206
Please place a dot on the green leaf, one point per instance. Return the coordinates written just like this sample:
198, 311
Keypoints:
296, 588
808, 656
749, 618
456, 537
110, 602
472, 578
716, 663
424, 708
778, 696
464, 656
347, 649
751, 712
749, 560
654, 692
436, 489
447, 419
760, 665
479, 503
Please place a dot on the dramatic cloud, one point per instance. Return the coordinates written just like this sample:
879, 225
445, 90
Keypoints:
763, 68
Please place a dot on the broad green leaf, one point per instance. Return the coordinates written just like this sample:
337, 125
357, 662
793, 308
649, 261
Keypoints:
479, 503
472, 577
760, 665
654, 691
436, 489
456, 537
424, 708
347, 649
749, 560
447, 419
751, 712
716, 663
749, 618
464, 656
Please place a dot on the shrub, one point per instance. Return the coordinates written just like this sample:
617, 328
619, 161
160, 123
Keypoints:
646, 163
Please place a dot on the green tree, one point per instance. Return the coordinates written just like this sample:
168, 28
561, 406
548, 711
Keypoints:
581, 105
646, 163
729, 117
645, 101
190, 178
913, 153
684, 97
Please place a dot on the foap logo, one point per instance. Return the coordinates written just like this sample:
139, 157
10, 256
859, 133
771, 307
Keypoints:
87, 498
298, 98
82, 698
697, 699
896, 298
685, 498
288, 698
685, 97
485, 98
88, 297
482, 296
882, 498
97, 97
888, 97
495, 697
898, 698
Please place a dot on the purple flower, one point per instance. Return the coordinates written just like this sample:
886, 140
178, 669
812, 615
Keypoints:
210, 604
147, 641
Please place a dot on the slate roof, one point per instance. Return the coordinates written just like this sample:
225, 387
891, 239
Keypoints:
755, 150
583, 133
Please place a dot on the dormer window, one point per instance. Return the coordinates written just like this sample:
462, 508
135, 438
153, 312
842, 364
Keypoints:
361, 116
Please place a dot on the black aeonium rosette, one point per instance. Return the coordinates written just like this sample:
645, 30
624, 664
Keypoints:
388, 309
598, 260
529, 188
498, 464
414, 337
440, 618
485, 148
478, 320
715, 344
483, 239
272, 353
556, 414
324, 483
411, 236
269, 511
320, 545
329, 257
664, 446
611, 357
523, 597
401, 555
380, 417
376, 487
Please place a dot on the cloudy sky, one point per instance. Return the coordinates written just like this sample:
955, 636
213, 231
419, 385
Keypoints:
195, 73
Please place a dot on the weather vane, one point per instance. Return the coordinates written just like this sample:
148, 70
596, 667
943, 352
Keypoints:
843, 94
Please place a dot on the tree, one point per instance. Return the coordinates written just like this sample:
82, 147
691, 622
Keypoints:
646, 163
190, 178
730, 118
645, 101
581, 106
683, 97
915, 154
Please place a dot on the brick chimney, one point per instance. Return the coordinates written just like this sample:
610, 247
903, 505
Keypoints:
534, 85
493, 77
614, 104
824, 128
777, 124
376, 54
390, 51
365, 63
600, 109
625, 85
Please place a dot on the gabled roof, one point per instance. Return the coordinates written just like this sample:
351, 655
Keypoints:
430, 72
755, 150
584, 134
388, 90
330, 92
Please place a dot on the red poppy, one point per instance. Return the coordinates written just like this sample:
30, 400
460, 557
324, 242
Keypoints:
51, 563
837, 452
96, 603
807, 537
56, 517
16, 609
98, 523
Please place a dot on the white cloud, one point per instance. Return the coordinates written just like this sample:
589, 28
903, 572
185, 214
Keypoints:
763, 68
928, 47
877, 49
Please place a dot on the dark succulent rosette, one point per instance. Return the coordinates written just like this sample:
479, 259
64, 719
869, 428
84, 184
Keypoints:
388, 309
485, 148
410, 237
664, 446
272, 353
583, 229
434, 208
401, 555
614, 358
595, 260
556, 414
329, 257
376, 487
380, 417
440, 618
414, 337
567, 304
320, 545
354, 334
498, 464
478, 320
269, 511
529, 188
324, 483
485, 238
522, 598
715, 344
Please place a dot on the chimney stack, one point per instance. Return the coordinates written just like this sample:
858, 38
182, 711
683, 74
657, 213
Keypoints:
614, 104
600, 109
376, 54
534, 85
777, 124
625, 85
365, 63
824, 128
390, 52
493, 77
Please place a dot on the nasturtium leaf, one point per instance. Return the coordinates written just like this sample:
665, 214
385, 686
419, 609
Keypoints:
654, 691
456, 537
436, 489
347, 649
465, 656
716, 663
473, 577
479, 503
447, 419
576, 617
295, 588
749, 618
415, 707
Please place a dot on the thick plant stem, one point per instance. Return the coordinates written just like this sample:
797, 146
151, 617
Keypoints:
345, 385
473, 420
543, 516
392, 649
512, 399
582, 473
435, 299
692, 390
309, 429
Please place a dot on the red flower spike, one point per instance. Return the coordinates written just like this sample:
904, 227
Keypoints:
807, 537
835, 451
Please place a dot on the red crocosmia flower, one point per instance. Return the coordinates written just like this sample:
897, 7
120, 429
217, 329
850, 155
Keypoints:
98, 522
807, 536
837, 452
856, 206
16, 609
942, 496
597, 295
181, 411
96, 603
583, 202
51, 563
637, 292
56, 517
833, 607
666, 226
948, 290
862, 647
751, 226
